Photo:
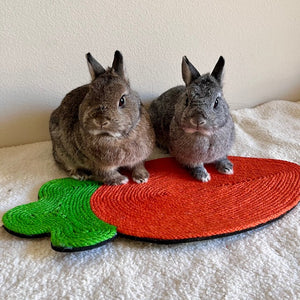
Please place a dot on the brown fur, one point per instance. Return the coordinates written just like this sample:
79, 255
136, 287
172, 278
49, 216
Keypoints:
93, 137
193, 122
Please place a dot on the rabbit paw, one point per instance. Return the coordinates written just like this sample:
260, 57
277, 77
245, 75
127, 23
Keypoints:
205, 177
116, 180
200, 173
140, 174
80, 174
225, 166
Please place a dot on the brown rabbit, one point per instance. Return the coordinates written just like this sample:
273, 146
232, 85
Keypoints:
194, 123
102, 127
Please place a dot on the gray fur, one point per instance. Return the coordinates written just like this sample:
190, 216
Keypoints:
193, 122
93, 136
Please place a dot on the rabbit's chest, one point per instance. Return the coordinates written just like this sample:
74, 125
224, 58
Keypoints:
117, 154
193, 149
189, 148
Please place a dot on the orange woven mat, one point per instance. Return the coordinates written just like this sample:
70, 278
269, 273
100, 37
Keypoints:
173, 206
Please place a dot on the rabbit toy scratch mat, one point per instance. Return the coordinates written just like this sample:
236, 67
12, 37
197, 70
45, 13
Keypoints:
171, 207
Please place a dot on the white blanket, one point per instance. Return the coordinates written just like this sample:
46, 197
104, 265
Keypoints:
260, 264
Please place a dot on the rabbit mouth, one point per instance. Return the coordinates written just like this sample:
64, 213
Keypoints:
102, 132
202, 131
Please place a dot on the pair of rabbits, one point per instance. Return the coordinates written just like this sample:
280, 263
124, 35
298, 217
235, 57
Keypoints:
102, 127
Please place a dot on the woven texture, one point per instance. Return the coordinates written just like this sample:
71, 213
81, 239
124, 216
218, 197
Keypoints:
63, 212
173, 206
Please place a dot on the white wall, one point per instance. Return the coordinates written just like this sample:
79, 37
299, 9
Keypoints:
43, 44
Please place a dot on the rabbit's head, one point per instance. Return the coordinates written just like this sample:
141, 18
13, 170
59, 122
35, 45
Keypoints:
110, 107
202, 107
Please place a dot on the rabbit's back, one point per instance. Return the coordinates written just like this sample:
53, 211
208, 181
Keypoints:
64, 129
65, 116
161, 113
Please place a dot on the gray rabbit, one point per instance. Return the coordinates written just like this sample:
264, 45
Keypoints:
193, 122
102, 127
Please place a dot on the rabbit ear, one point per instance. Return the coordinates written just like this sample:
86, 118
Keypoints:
94, 67
218, 69
189, 72
118, 65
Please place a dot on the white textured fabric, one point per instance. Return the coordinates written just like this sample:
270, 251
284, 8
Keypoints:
260, 264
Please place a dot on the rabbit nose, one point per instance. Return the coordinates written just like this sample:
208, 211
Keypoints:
102, 124
197, 122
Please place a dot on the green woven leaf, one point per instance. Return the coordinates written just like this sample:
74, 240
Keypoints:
63, 211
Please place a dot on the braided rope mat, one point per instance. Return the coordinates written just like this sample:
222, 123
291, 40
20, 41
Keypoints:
63, 212
175, 207
171, 207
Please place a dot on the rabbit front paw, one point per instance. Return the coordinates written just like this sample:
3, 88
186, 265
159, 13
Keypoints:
118, 180
200, 173
80, 174
112, 177
224, 166
140, 174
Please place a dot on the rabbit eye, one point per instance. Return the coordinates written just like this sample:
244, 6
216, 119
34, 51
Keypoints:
122, 101
216, 102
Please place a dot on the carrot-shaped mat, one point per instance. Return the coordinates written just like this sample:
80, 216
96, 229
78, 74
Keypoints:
172, 207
